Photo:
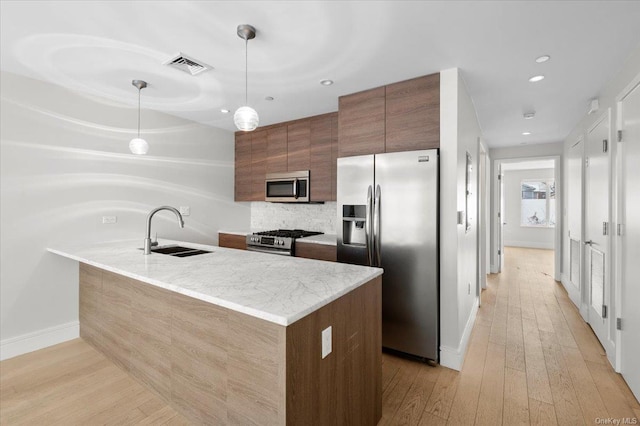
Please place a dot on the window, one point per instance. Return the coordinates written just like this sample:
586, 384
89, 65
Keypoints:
538, 203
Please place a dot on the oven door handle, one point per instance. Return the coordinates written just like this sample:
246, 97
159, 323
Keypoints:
295, 188
261, 250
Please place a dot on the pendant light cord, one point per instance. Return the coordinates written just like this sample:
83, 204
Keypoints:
139, 89
246, 71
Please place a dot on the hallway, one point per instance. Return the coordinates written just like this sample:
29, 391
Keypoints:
531, 360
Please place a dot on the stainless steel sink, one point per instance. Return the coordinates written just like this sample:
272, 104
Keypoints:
178, 251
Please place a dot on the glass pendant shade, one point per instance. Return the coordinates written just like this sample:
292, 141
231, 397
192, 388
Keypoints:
246, 118
138, 146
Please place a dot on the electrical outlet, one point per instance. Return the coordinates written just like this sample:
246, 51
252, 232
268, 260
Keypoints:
326, 342
185, 210
109, 219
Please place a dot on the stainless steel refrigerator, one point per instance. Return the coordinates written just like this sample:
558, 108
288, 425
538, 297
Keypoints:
388, 217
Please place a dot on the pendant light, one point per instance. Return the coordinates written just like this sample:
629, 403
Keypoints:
246, 118
138, 145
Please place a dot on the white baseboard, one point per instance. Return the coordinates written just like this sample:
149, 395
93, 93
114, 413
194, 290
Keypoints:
454, 357
30, 342
530, 244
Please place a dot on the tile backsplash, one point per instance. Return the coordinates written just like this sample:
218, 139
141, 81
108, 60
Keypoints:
310, 217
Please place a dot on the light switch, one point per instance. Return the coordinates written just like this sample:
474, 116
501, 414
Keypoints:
326, 342
185, 210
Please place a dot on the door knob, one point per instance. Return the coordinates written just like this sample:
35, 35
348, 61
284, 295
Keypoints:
588, 243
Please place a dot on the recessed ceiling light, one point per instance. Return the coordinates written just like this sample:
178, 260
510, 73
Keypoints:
536, 78
543, 58
529, 115
224, 111
326, 82
268, 98
526, 133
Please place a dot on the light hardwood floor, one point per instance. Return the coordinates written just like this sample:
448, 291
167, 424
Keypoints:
531, 360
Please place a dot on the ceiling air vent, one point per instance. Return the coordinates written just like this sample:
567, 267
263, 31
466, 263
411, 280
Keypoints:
187, 64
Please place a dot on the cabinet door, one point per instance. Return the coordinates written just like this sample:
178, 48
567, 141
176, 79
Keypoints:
277, 149
413, 114
361, 123
320, 158
298, 145
316, 251
243, 167
334, 155
258, 164
232, 241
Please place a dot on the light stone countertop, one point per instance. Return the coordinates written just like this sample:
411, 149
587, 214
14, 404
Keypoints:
326, 239
279, 289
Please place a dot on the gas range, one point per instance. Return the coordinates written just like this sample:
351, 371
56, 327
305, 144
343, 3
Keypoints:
279, 241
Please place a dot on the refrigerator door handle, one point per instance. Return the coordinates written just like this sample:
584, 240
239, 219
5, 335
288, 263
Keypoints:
368, 236
376, 227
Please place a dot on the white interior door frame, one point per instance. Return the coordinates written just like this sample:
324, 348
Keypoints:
497, 221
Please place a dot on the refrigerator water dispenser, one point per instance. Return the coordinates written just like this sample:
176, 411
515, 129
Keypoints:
353, 224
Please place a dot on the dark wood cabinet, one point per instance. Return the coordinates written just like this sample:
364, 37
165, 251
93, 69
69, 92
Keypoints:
403, 116
298, 145
232, 241
361, 123
413, 114
316, 251
243, 167
258, 164
277, 149
320, 166
334, 156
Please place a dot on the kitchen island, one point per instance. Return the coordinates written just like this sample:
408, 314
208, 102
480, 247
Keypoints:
235, 337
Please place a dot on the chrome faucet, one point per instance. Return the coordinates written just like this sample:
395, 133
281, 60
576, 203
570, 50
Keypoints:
147, 240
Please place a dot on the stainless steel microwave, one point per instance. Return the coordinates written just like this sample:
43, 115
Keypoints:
288, 187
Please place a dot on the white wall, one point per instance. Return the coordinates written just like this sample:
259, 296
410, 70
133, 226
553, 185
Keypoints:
516, 235
310, 217
459, 134
65, 164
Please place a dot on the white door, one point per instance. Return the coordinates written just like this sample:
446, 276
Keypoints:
574, 219
597, 232
630, 334
500, 219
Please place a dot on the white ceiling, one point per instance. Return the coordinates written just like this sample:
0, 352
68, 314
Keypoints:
98, 47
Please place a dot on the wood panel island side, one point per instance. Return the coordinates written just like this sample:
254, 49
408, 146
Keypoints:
234, 337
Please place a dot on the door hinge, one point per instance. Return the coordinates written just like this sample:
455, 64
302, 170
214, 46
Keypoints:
605, 145
604, 311
605, 228
586, 162
619, 135
619, 230
499, 177
499, 252
618, 323
498, 214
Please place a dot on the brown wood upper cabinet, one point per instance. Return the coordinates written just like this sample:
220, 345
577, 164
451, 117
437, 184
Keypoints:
258, 164
276, 150
413, 114
243, 174
361, 123
305, 144
298, 145
403, 116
